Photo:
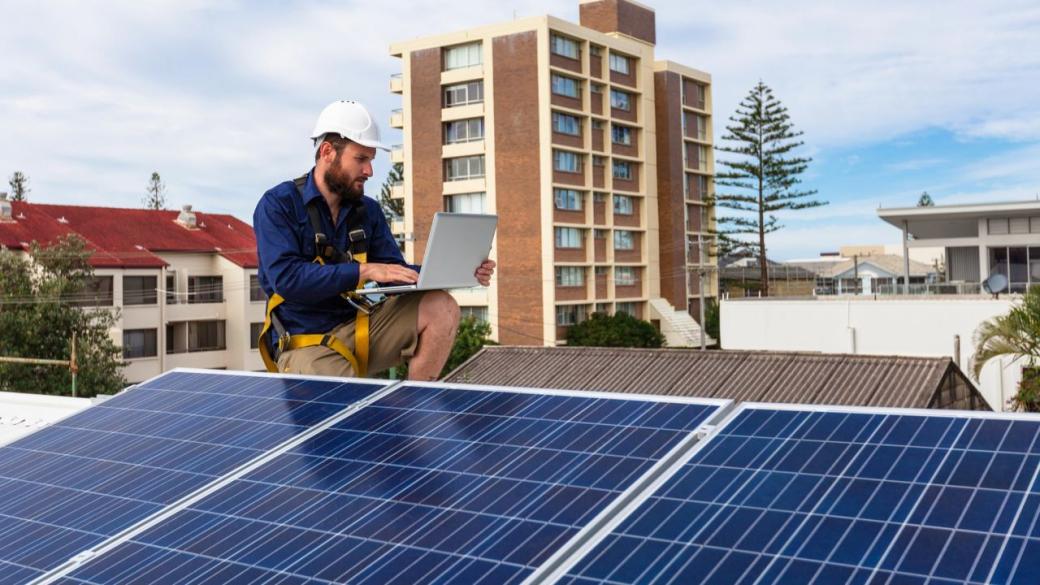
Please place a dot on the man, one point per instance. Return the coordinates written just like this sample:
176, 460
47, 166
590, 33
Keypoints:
318, 240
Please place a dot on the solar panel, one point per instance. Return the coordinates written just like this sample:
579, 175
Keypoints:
833, 495
431, 483
66, 488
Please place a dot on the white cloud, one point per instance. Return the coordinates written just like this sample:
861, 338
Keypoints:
219, 96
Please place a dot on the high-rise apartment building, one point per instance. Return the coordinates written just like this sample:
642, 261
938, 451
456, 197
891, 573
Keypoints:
596, 157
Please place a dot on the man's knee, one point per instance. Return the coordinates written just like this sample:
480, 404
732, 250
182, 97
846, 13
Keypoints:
439, 308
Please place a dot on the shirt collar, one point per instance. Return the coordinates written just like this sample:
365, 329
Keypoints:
310, 191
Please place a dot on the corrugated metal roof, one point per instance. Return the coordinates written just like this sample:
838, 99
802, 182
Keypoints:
758, 376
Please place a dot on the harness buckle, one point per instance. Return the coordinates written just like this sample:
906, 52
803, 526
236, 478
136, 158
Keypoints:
283, 341
360, 303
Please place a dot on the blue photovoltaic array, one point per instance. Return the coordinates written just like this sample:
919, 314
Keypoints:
69, 487
804, 496
429, 484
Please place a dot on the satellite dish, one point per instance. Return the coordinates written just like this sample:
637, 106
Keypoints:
995, 284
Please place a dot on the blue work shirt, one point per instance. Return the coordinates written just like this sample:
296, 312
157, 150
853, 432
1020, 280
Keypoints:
286, 250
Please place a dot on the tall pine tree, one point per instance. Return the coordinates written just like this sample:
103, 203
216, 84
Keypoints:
155, 193
393, 208
763, 176
19, 186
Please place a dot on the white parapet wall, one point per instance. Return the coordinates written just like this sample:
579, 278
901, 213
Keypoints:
910, 326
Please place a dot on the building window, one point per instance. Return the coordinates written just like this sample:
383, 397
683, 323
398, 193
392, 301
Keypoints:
568, 237
478, 313
469, 130
623, 205
465, 203
463, 168
568, 199
625, 276
256, 294
595, 50
620, 100
599, 234
462, 56
702, 158
564, 46
97, 292
702, 186
170, 339
623, 240
140, 290
565, 86
566, 124
623, 170
568, 162
702, 128
621, 135
599, 198
619, 63
206, 336
570, 276
461, 94
254, 335
626, 308
140, 343
596, 88
597, 124
171, 288
205, 289
567, 315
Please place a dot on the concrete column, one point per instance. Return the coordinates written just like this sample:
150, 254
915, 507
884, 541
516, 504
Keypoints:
906, 258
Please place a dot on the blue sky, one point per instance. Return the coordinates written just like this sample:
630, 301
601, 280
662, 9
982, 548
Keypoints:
894, 97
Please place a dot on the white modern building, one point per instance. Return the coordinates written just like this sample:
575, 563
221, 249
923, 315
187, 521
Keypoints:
980, 240
184, 285
935, 319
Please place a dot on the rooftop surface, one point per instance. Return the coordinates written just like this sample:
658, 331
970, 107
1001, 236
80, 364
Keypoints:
746, 376
129, 238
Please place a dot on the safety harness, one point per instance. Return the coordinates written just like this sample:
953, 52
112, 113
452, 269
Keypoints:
326, 253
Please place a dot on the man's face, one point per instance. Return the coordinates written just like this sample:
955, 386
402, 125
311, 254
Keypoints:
346, 174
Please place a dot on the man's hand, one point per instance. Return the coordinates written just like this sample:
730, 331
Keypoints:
484, 272
388, 273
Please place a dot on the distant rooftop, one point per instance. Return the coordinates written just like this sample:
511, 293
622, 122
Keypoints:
130, 238
750, 376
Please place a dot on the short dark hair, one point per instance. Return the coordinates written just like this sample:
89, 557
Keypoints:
337, 142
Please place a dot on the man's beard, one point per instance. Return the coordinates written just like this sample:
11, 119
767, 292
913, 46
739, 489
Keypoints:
341, 185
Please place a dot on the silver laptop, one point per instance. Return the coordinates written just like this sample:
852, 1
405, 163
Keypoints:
459, 242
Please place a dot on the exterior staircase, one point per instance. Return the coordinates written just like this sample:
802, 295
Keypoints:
678, 327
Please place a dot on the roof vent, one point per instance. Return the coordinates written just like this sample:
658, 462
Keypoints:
187, 218
62, 220
5, 208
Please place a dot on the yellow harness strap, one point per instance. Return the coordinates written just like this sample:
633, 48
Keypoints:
358, 359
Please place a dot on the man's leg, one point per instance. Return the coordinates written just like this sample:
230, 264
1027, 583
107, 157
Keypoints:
437, 325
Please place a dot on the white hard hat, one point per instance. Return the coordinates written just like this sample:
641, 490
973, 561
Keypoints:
351, 121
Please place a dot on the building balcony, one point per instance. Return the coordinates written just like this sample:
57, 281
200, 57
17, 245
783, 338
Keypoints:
397, 153
397, 83
397, 118
397, 189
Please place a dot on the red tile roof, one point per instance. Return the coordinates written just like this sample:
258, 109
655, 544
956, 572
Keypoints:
130, 238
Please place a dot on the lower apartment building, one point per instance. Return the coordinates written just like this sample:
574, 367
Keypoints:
596, 157
184, 284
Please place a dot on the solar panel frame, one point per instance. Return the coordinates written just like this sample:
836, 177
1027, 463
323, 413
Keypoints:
553, 572
720, 406
380, 387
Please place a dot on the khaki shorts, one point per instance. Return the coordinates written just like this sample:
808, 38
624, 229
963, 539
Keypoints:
393, 335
